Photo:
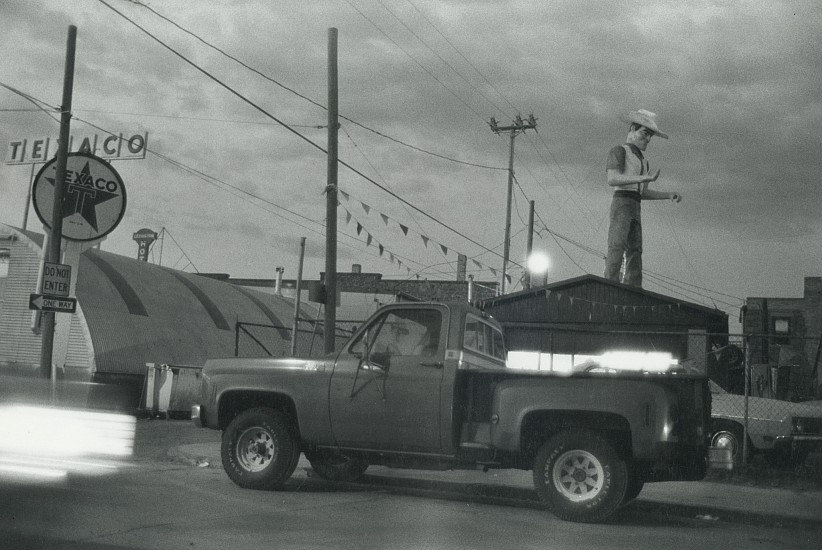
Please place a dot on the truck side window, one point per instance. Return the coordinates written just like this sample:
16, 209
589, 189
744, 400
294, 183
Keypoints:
499, 345
484, 338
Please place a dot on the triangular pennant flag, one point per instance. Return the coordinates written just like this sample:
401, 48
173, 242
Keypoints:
365, 207
404, 229
424, 240
359, 228
391, 255
381, 249
444, 249
368, 241
493, 271
399, 263
347, 217
345, 195
508, 278
384, 218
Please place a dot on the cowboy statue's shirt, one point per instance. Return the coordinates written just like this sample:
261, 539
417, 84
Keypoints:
628, 160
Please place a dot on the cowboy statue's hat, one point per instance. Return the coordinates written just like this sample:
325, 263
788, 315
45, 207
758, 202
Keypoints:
644, 118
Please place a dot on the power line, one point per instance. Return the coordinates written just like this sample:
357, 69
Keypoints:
423, 42
419, 64
287, 127
513, 108
302, 96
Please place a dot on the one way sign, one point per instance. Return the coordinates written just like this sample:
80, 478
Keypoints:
46, 302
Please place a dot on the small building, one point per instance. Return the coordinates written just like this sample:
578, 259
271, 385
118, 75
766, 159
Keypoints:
130, 313
360, 294
785, 343
568, 321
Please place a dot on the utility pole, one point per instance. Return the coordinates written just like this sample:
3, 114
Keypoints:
517, 127
52, 253
296, 326
530, 246
331, 200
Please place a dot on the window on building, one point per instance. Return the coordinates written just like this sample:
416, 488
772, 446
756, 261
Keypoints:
5, 259
781, 330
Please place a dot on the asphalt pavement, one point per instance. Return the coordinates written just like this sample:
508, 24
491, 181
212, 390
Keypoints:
179, 441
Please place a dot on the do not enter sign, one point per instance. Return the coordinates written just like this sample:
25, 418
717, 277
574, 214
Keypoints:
56, 279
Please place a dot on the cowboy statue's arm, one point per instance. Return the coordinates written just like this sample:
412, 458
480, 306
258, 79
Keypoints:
651, 195
617, 179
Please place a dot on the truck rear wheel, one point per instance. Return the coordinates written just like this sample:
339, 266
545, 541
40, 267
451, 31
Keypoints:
259, 449
579, 476
336, 467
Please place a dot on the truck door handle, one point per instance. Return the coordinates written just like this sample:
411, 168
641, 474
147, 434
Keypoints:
434, 364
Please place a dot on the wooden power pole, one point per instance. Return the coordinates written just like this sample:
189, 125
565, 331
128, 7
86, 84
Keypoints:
52, 253
517, 127
330, 329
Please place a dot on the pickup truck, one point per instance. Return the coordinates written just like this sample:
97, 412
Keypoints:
425, 386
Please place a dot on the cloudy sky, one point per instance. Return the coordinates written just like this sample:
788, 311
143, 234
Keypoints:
736, 85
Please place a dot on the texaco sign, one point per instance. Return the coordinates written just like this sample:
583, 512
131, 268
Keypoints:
94, 200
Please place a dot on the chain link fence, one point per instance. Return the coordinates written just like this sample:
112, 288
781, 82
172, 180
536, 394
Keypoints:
766, 403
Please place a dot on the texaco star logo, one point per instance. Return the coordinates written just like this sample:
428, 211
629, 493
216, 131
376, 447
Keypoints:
94, 197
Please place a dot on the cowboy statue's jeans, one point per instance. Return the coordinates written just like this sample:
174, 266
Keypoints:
625, 237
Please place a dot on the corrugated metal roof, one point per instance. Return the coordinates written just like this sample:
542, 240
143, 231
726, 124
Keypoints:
138, 313
628, 292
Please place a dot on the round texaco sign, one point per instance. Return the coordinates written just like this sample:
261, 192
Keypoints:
94, 199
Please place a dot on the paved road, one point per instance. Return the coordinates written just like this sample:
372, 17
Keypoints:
169, 498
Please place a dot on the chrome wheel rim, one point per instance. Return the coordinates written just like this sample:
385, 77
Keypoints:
255, 449
577, 475
725, 440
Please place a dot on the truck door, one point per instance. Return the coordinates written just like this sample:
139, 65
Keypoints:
386, 386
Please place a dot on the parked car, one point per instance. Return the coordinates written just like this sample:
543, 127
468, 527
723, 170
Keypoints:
783, 431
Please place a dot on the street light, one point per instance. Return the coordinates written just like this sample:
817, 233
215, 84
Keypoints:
538, 263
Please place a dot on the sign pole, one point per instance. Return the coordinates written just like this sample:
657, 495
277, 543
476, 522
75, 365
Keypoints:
28, 199
53, 254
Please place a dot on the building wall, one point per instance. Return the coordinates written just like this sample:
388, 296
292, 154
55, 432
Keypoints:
795, 351
20, 347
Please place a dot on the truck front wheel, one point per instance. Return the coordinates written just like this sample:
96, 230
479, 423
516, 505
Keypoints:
579, 477
259, 449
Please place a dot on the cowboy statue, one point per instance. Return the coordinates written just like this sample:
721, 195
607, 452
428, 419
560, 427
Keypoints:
627, 172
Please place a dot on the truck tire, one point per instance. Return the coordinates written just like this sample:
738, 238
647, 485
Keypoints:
633, 486
579, 476
337, 467
259, 449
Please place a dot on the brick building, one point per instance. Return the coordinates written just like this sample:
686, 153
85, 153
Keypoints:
785, 343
